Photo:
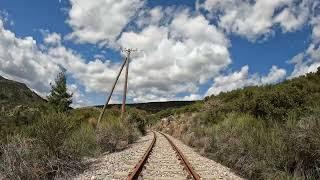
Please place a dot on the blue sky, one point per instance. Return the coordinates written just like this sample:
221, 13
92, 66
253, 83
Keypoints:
252, 48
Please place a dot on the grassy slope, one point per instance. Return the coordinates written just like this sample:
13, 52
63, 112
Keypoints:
262, 132
154, 107
36, 142
13, 93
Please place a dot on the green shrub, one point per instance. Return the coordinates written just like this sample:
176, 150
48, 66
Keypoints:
115, 134
266, 132
23, 158
137, 120
304, 139
51, 130
82, 142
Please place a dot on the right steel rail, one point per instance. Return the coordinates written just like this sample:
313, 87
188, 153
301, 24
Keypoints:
186, 163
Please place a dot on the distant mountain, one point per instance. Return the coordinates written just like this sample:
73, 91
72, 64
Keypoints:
154, 107
14, 93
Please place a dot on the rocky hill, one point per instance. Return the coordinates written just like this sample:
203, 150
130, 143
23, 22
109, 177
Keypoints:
14, 93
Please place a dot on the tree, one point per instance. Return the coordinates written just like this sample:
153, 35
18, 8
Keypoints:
59, 98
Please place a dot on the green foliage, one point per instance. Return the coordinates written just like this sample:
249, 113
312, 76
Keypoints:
48, 141
59, 98
115, 134
271, 102
22, 158
154, 118
267, 132
14, 94
51, 130
26, 158
137, 119
82, 142
53, 143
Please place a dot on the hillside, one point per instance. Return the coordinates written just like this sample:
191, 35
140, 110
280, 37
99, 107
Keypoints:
154, 107
262, 132
14, 93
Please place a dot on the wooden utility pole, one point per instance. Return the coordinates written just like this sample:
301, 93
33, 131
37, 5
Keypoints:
123, 107
112, 89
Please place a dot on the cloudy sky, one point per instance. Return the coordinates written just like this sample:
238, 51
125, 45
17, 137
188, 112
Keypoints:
187, 49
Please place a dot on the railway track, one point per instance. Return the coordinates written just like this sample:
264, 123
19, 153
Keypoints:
155, 156
164, 165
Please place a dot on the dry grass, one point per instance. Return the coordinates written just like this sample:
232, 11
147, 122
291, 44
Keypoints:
55, 143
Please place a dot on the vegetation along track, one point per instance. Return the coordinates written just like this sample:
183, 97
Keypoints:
163, 160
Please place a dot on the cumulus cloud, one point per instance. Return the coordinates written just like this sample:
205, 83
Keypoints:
179, 50
306, 62
21, 59
256, 19
100, 21
52, 39
176, 58
192, 97
78, 98
242, 78
274, 76
315, 23
95, 75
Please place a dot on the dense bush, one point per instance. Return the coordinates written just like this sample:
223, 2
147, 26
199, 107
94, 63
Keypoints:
22, 159
82, 142
25, 158
53, 144
115, 134
51, 130
267, 132
137, 120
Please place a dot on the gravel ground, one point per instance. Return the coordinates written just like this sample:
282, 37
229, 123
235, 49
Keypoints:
163, 162
116, 165
206, 168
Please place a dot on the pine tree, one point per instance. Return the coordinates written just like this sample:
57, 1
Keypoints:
59, 98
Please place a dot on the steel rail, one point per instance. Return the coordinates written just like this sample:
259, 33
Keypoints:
138, 168
186, 163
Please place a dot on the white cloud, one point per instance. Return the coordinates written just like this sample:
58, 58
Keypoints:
180, 50
100, 21
315, 23
306, 62
175, 58
309, 60
21, 59
78, 98
256, 19
293, 16
235, 80
275, 75
53, 39
192, 97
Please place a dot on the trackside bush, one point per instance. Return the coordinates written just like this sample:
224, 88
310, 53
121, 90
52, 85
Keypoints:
262, 132
114, 134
